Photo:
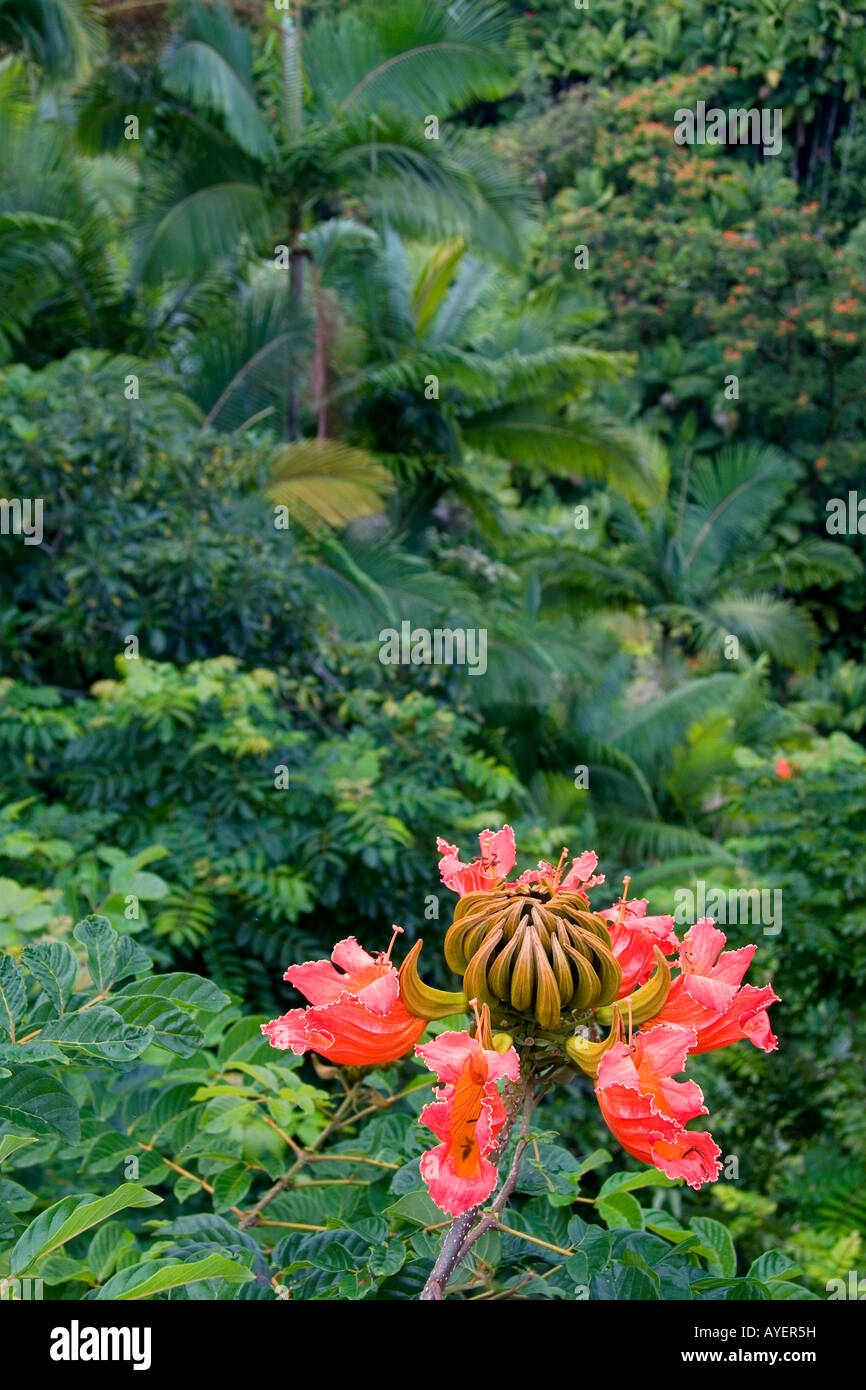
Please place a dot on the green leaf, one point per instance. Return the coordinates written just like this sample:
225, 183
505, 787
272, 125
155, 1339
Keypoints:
201, 227
192, 990
59, 1269
100, 940
55, 966
388, 1259
38, 1102
780, 1291
716, 1241
627, 1182
69, 1217
16, 1197
196, 72
231, 1186
110, 1242
734, 1290
99, 1031
577, 1267
625, 1283
156, 1276
620, 1209
594, 1244
132, 959
417, 1207
147, 887
772, 1265
9, 1143
147, 856
597, 1159
13, 995
549, 1174
664, 1223
34, 1050
172, 1028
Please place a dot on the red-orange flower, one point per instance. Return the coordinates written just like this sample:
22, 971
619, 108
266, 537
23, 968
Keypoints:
467, 1116
497, 859
647, 1111
709, 998
577, 879
356, 1018
783, 767
633, 939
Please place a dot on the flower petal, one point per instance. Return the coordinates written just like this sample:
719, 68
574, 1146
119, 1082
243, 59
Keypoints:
293, 1031
694, 1157
451, 1192
499, 850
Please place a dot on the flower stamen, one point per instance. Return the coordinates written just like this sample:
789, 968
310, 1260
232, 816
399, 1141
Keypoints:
398, 931
622, 902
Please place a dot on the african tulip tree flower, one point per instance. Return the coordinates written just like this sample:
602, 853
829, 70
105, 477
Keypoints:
356, 1015
549, 970
580, 876
647, 1111
497, 859
709, 998
467, 1115
531, 946
633, 940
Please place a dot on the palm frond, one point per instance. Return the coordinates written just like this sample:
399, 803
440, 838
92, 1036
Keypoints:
763, 623
34, 251
240, 364
369, 584
325, 481
434, 281
428, 188
331, 241
650, 733
197, 73
814, 562
65, 37
421, 56
551, 369
587, 446
468, 290
467, 373
637, 839
681, 870
184, 238
604, 756
110, 183
733, 495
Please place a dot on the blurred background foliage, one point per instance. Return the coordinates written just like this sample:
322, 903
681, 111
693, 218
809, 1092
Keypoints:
281, 286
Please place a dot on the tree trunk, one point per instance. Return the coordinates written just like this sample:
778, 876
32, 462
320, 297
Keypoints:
296, 301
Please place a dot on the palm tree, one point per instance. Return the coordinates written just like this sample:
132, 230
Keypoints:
61, 281
63, 38
428, 352
337, 114
703, 565
456, 361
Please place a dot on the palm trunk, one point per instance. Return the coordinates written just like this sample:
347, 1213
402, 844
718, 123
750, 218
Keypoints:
290, 36
296, 300
319, 374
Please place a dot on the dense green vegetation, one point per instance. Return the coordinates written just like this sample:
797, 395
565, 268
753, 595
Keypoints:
297, 345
